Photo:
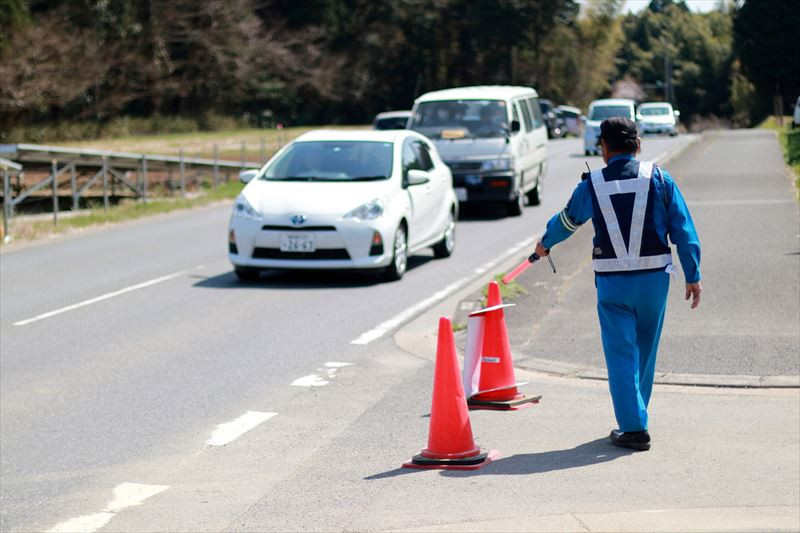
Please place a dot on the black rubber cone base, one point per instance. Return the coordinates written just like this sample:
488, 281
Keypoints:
468, 463
508, 405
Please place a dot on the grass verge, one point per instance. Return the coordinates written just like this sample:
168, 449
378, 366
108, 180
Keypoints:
27, 229
790, 144
510, 291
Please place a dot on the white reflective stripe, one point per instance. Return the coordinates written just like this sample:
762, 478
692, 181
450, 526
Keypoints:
610, 217
632, 263
566, 222
621, 186
639, 209
646, 170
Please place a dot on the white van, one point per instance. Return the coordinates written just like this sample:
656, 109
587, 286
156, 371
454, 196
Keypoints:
599, 110
493, 139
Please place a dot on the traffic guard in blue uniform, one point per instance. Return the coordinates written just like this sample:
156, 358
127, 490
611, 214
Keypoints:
634, 206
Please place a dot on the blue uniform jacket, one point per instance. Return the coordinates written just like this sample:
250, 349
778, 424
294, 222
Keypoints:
670, 216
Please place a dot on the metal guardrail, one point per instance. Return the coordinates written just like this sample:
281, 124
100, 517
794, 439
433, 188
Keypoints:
113, 168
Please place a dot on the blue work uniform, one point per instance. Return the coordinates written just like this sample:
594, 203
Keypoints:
634, 206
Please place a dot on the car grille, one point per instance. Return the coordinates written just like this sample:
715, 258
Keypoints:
269, 227
320, 254
464, 166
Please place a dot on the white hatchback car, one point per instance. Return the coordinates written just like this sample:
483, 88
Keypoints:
657, 117
344, 200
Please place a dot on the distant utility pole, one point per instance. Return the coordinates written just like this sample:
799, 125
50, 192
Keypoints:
668, 96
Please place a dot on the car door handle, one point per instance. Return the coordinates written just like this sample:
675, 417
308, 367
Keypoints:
540, 145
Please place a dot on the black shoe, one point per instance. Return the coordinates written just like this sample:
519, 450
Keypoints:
636, 440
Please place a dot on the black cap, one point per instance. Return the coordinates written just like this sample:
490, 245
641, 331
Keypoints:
618, 129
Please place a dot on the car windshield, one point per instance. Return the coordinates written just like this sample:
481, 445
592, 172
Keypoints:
654, 111
461, 119
332, 161
607, 111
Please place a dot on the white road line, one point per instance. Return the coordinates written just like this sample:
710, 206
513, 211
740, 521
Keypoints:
311, 380
106, 296
125, 495
230, 431
384, 327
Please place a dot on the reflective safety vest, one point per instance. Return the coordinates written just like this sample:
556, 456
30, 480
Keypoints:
625, 235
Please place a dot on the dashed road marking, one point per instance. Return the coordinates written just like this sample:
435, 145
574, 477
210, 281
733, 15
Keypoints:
125, 495
230, 431
106, 296
384, 327
315, 380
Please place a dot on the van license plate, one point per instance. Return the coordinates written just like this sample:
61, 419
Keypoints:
298, 242
461, 194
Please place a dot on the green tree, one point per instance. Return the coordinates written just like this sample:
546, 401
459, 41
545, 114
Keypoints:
766, 42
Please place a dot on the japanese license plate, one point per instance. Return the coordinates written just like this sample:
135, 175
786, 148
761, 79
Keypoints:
298, 242
461, 194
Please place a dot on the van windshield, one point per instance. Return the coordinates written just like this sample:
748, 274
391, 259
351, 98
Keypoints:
608, 111
461, 119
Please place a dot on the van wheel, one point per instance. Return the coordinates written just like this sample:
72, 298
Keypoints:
397, 267
515, 206
586, 153
445, 247
535, 194
247, 273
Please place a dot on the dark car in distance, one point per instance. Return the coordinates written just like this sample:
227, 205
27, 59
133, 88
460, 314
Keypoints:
556, 127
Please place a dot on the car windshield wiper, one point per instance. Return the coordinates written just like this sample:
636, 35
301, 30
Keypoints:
296, 178
369, 178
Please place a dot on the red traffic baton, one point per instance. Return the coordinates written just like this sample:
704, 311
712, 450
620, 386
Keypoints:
522, 267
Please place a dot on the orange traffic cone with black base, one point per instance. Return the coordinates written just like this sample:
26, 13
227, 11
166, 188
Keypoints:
497, 388
450, 443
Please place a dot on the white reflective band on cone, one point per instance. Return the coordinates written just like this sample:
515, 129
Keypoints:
472, 356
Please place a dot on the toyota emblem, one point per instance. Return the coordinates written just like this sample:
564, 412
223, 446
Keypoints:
297, 220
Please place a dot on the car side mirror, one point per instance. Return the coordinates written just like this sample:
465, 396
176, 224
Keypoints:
245, 176
676, 113
515, 126
417, 177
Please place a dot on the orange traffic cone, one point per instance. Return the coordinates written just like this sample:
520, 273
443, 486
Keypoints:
497, 388
450, 443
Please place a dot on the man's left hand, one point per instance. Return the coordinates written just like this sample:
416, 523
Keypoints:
694, 290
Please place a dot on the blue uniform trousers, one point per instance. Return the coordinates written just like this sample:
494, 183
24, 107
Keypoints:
631, 309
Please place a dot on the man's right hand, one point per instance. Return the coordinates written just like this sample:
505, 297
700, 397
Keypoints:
694, 290
541, 251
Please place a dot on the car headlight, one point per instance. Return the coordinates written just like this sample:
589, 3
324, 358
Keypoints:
495, 165
368, 211
243, 209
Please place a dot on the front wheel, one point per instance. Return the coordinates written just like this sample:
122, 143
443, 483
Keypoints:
247, 273
397, 267
535, 194
445, 247
515, 206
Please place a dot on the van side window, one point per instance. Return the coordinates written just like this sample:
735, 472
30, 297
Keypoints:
526, 115
537, 112
423, 156
515, 112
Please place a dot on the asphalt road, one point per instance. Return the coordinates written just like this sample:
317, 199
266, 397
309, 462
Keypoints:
153, 345
748, 324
